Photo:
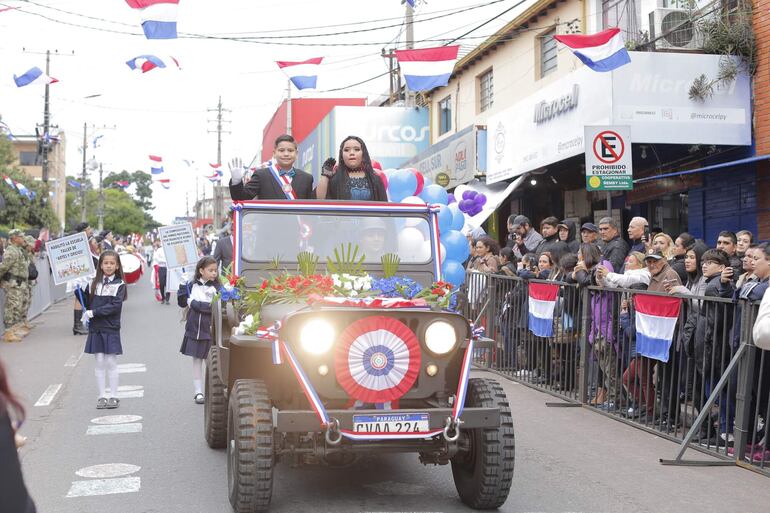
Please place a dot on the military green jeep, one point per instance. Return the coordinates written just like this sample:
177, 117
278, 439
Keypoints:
326, 380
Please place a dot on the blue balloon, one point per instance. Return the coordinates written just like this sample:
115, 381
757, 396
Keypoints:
426, 181
435, 194
453, 272
458, 218
401, 184
456, 245
445, 219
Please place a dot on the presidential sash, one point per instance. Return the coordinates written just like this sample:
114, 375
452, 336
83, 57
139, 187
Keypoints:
283, 181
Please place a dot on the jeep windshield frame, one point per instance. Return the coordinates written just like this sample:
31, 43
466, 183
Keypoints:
270, 232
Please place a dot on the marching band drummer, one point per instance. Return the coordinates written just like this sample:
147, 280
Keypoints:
278, 181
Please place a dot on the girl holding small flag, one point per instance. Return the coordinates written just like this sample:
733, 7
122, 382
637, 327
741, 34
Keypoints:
103, 308
197, 297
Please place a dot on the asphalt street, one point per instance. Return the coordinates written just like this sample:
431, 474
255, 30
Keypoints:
154, 458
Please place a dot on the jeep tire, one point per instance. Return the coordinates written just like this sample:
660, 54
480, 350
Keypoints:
215, 404
250, 452
483, 473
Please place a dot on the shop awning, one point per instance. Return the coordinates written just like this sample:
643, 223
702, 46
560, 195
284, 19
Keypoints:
496, 193
713, 167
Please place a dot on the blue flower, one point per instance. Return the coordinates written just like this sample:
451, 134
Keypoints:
396, 286
230, 295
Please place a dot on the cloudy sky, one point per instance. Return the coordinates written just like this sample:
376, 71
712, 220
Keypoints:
227, 48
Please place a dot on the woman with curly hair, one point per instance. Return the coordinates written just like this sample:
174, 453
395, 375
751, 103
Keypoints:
354, 178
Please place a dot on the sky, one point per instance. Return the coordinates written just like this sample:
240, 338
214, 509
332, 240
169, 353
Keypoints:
170, 112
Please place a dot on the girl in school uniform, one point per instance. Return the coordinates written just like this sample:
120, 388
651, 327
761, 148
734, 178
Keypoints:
103, 307
197, 334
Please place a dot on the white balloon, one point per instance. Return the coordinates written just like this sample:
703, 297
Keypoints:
413, 200
459, 190
427, 250
410, 245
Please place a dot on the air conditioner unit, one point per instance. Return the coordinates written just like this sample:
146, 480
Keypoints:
673, 29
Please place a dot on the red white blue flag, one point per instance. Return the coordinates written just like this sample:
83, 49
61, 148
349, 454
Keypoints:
656, 318
603, 51
427, 68
33, 76
158, 17
145, 63
304, 75
542, 303
156, 164
164, 182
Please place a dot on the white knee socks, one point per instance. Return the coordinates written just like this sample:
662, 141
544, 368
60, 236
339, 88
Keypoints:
198, 375
106, 365
112, 373
100, 371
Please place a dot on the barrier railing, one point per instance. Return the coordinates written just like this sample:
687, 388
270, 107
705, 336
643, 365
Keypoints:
710, 391
44, 292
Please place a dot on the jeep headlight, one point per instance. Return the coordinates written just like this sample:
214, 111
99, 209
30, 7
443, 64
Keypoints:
317, 336
440, 337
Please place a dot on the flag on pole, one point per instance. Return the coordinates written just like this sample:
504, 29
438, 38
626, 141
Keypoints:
7, 179
217, 169
656, 318
158, 17
156, 164
97, 140
411, 3
304, 75
542, 302
73, 183
164, 182
122, 183
22, 189
5, 129
33, 76
427, 68
603, 51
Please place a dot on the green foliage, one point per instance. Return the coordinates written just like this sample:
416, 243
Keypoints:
307, 263
121, 213
141, 180
19, 211
390, 263
346, 260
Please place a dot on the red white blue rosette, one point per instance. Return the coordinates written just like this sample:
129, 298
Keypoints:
377, 359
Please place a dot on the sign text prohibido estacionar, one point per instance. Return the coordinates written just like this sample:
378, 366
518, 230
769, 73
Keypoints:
609, 165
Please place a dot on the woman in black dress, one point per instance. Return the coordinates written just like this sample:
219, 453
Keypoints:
354, 179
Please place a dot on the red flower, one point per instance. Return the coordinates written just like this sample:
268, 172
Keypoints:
233, 279
264, 285
437, 291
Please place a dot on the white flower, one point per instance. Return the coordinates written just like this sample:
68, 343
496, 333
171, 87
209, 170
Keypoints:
367, 285
249, 319
238, 330
353, 293
348, 286
228, 287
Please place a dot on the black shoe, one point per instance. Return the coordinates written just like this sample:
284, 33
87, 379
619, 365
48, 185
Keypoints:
77, 326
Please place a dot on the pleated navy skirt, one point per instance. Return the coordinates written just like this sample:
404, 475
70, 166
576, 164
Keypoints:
107, 342
195, 348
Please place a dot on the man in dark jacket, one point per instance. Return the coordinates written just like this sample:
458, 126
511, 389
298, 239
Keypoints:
728, 242
551, 243
567, 233
638, 234
615, 248
278, 181
682, 244
223, 249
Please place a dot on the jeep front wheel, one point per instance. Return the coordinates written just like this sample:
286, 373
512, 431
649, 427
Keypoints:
214, 405
483, 469
250, 454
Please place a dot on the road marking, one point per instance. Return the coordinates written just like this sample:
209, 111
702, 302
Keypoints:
129, 368
114, 429
73, 360
48, 395
130, 391
104, 486
116, 419
108, 470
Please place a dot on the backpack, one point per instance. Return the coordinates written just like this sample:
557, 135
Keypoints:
32, 272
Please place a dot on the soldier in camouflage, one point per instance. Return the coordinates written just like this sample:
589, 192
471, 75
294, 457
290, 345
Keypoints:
30, 247
14, 270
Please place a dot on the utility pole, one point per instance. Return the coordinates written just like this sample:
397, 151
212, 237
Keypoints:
288, 108
101, 199
218, 198
46, 118
82, 193
409, 96
392, 73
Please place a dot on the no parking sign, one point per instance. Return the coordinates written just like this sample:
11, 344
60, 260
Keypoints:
609, 165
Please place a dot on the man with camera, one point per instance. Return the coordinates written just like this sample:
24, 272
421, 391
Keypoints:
525, 238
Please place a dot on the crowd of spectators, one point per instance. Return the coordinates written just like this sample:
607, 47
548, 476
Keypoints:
708, 331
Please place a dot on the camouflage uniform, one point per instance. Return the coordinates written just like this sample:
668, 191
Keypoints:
14, 270
30, 253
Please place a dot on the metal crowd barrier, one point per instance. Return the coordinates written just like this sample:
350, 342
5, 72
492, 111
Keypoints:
44, 293
712, 393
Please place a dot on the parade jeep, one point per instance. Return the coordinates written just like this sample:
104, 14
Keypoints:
327, 380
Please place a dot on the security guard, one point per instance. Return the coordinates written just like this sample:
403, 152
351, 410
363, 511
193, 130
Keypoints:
30, 247
14, 271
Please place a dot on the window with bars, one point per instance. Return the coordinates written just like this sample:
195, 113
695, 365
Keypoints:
486, 91
549, 58
445, 115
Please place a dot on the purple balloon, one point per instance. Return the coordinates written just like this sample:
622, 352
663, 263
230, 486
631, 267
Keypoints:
468, 195
466, 205
481, 200
451, 198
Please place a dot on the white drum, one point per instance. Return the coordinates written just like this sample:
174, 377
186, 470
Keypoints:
132, 267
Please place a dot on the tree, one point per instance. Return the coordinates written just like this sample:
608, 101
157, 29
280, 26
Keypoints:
22, 211
143, 183
121, 213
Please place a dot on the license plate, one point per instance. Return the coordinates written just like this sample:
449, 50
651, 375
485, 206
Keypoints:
391, 423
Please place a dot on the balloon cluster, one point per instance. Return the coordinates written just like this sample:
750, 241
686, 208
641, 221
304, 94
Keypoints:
472, 202
410, 186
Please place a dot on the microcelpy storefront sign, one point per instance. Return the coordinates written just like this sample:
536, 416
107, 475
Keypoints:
546, 110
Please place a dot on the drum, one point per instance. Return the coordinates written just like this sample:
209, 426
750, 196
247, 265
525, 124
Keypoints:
132, 267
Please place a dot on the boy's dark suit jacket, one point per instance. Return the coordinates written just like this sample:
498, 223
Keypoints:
264, 186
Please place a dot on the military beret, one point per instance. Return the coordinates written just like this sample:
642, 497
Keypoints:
15, 232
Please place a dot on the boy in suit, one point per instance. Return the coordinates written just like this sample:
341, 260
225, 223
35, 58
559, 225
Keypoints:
278, 181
